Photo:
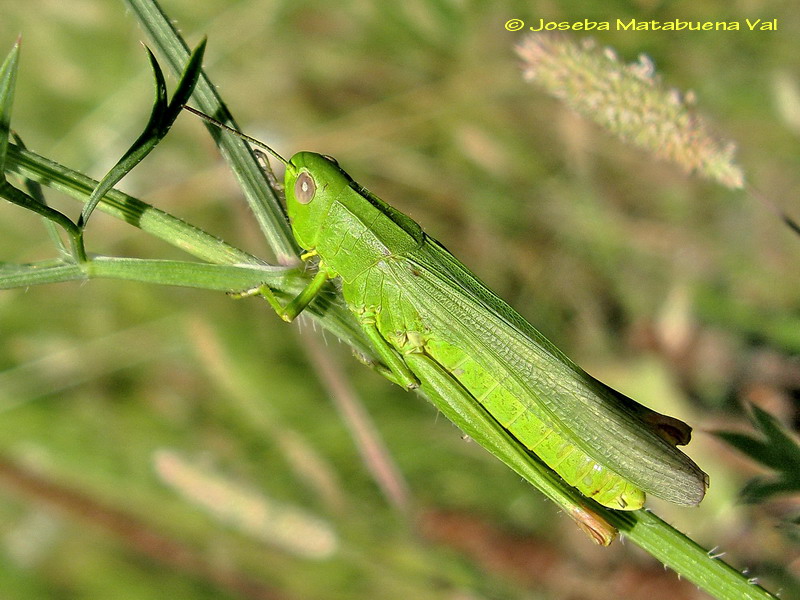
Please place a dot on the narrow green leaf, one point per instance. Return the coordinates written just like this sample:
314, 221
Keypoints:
187, 83
760, 489
773, 448
8, 79
161, 119
786, 448
747, 444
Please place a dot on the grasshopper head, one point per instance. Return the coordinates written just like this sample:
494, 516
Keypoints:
313, 183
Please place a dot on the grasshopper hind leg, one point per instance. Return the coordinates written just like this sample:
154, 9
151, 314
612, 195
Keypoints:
396, 370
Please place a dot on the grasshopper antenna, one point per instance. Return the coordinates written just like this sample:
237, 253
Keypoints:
239, 134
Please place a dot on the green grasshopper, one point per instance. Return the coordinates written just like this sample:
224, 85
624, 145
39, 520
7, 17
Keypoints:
436, 326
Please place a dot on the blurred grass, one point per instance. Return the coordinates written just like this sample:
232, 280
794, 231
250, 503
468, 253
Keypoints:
676, 291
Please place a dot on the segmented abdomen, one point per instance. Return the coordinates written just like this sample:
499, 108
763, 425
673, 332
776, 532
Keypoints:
570, 462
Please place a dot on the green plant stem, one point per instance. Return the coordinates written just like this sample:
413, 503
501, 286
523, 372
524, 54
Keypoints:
686, 557
156, 222
263, 202
225, 278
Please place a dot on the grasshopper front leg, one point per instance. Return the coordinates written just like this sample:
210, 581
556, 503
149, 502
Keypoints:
290, 311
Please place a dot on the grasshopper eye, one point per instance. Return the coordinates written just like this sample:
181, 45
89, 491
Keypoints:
304, 188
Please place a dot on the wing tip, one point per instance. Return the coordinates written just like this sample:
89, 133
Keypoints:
685, 491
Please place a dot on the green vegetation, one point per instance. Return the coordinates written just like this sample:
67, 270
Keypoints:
160, 440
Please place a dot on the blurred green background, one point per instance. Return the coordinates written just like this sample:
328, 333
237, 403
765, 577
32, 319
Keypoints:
132, 417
